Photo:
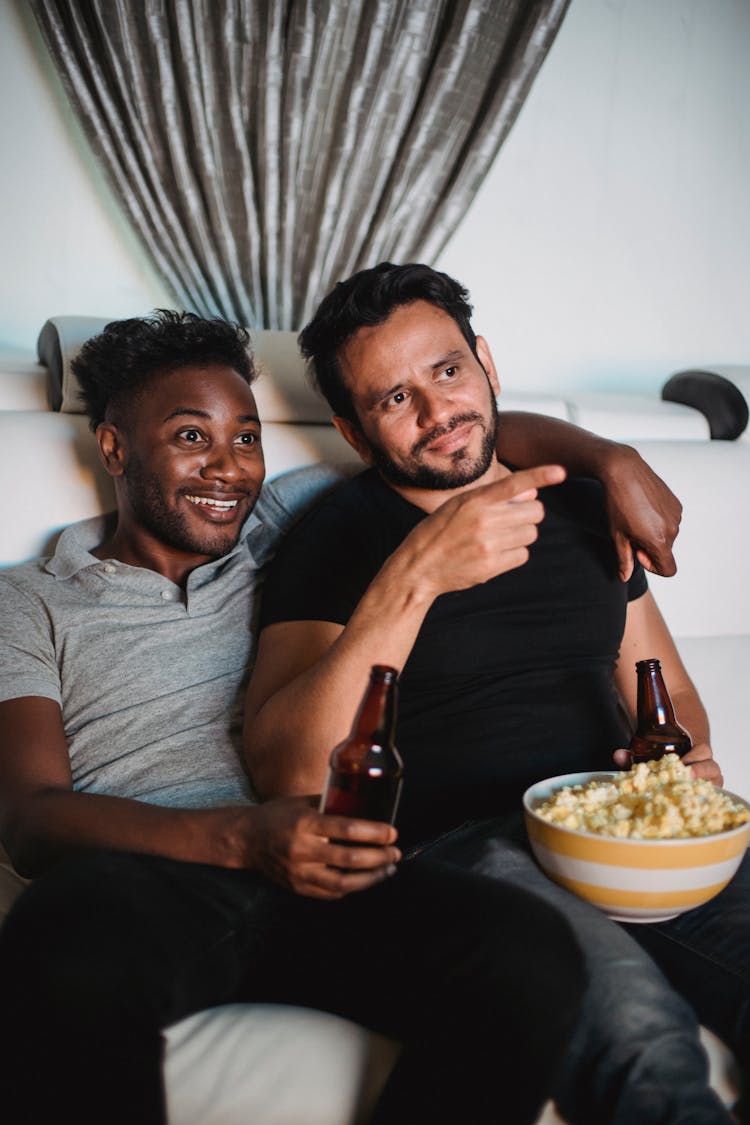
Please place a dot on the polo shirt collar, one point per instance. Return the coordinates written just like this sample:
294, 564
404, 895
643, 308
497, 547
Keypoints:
73, 551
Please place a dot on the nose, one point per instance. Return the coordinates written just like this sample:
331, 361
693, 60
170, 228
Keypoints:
222, 463
434, 408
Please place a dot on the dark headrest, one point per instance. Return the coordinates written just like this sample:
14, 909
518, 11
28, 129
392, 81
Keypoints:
722, 403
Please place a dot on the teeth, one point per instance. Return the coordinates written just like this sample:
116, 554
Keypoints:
210, 503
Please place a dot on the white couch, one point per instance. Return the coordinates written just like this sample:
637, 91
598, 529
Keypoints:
285, 1066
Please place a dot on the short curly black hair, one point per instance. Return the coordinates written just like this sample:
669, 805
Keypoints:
113, 367
366, 299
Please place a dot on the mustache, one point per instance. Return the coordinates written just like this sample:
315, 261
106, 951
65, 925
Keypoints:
442, 431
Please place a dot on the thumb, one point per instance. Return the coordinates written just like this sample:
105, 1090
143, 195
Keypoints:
622, 759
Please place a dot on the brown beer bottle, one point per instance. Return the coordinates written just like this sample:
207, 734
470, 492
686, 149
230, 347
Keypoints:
365, 771
657, 731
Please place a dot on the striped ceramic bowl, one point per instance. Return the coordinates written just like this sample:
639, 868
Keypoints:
632, 880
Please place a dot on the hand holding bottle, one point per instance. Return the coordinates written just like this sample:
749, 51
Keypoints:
700, 759
313, 854
658, 732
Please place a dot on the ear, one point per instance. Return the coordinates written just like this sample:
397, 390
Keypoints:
355, 437
488, 363
112, 448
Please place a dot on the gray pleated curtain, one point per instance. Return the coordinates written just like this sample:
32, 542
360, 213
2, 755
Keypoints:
263, 150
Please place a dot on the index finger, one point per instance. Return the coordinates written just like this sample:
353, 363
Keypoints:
659, 560
526, 480
352, 829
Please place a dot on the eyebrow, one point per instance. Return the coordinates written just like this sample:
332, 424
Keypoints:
191, 412
380, 396
450, 357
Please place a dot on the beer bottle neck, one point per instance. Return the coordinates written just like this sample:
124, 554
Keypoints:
376, 718
654, 703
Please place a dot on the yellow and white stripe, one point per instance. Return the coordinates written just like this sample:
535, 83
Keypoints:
632, 880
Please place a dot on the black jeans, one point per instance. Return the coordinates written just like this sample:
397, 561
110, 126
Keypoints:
480, 981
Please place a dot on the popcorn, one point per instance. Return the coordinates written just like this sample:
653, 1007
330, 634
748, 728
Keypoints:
651, 801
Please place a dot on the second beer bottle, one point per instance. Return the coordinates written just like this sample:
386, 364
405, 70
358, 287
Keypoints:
657, 731
366, 771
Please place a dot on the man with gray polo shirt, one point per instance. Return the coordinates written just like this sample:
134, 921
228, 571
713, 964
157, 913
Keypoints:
157, 640
159, 887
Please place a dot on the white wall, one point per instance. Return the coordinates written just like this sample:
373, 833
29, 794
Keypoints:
610, 244
64, 247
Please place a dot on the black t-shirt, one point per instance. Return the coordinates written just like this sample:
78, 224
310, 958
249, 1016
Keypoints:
508, 682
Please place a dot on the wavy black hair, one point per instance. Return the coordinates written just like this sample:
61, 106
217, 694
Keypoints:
365, 299
114, 367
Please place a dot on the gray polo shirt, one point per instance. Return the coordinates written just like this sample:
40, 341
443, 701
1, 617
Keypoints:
150, 678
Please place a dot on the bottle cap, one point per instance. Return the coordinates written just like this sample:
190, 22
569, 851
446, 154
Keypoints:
383, 673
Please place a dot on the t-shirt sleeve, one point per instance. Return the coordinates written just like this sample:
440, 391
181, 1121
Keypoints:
637, 583
320, 571
28, 664
582, 499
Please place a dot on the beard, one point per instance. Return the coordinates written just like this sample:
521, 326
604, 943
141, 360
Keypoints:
152, 511
464, 468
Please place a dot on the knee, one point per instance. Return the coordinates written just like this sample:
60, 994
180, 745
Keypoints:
643, 1031
532, 959
550, 964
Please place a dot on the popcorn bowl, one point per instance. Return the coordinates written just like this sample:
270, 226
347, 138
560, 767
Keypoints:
632, 880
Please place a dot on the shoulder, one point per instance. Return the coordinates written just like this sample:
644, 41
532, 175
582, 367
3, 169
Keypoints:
286, 499
577, 510
334, 502
580, 500
325, 563
27, 580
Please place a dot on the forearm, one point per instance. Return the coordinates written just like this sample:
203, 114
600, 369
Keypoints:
691, 714
644, 514
51, 823
527, 439
290, 732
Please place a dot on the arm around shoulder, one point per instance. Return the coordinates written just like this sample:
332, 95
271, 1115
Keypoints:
644, 514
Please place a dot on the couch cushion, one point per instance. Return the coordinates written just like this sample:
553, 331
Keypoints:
716, 666
23, 383
60, 341
58, 480
626, 417
273, 1065
709, 594
282, 390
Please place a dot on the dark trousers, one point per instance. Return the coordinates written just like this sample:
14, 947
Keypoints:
635, 1057
480, 981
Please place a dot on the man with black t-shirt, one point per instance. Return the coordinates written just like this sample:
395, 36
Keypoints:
523, 673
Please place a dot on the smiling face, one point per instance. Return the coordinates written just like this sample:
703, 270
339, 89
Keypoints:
188, 466
425, 404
